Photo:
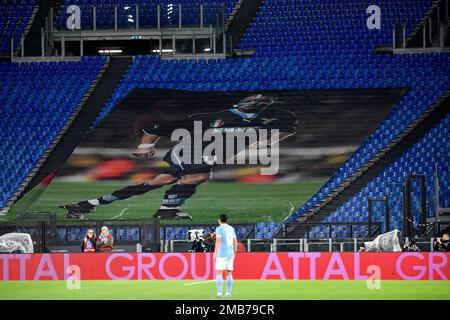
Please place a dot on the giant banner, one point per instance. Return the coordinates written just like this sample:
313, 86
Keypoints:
185, 154
199, 266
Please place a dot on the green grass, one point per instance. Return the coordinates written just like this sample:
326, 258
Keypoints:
242, 289
245, 203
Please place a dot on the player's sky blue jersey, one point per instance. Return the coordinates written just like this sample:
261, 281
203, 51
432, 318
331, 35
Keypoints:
227, 235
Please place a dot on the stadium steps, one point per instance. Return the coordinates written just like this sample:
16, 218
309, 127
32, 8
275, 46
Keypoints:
28, 28
444, 218
242, 18
33, 36
79, 123
414, 39
411, 135
233, 14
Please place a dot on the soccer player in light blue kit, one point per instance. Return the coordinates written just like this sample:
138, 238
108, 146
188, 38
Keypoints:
226, 246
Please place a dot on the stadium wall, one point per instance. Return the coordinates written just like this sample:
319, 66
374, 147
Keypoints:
194, 266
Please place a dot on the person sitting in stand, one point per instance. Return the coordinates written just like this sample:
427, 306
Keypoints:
105, 240
89, 242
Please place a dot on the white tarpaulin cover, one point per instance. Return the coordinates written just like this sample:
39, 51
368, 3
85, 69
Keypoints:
384, 242
16, 243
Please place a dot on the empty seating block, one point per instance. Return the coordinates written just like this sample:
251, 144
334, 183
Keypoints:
432, 150
36, 100
292, 27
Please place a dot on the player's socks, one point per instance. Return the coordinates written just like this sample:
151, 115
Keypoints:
121, 194
229, 284
135, 190
176, 195
219, 283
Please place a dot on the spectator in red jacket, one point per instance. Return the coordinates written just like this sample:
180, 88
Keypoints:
105, 241
89, 242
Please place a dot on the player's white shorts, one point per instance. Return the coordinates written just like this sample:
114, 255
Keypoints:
224, 264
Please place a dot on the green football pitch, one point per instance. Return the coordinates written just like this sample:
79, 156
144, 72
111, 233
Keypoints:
244, 202
242, 289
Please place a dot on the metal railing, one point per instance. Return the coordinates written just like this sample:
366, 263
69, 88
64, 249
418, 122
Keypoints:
431, 34
296, 245
126, 17
49, 236
148, 25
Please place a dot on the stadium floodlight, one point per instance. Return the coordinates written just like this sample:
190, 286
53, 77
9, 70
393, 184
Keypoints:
163, 50
103, 51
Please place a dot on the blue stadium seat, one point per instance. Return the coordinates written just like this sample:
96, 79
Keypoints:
320, 44
13, 22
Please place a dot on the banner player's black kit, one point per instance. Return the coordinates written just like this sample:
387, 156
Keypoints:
254, 112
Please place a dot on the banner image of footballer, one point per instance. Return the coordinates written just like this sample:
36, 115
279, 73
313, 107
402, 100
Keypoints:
188, 156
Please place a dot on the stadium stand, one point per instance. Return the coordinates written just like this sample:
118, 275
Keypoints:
48, 87
420, 159
329, 65
14, 20
427, 77
126, 12
290, 27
